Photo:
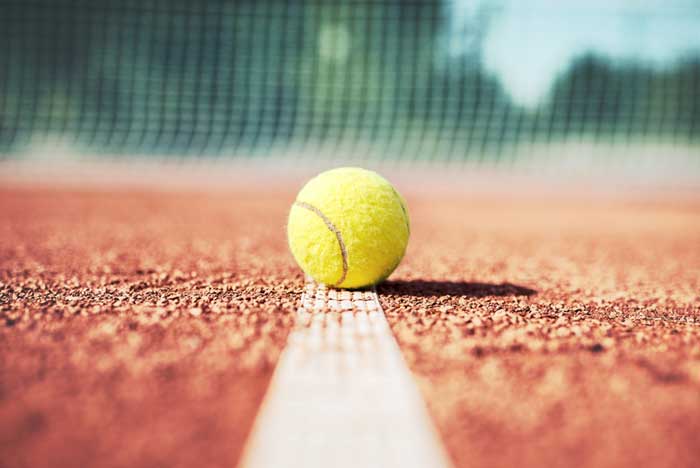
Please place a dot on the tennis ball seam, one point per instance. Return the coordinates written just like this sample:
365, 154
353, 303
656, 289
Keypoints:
403, 209
331, 227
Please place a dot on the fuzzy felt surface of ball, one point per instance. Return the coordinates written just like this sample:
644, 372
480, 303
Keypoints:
348, 228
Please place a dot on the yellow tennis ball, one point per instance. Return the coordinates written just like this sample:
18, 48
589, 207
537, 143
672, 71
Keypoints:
348, 228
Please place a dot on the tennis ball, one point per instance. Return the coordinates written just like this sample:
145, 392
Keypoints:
348, 228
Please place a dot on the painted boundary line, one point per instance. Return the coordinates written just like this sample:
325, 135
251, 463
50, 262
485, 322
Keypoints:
342, 395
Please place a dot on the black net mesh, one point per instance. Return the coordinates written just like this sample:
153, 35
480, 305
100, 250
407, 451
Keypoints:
313, 78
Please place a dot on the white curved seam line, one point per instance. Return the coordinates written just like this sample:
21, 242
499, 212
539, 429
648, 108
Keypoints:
331, 227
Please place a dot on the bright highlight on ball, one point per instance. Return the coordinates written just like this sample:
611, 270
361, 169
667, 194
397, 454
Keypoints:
348, 228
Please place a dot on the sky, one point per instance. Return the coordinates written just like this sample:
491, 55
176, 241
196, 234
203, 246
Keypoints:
528, 44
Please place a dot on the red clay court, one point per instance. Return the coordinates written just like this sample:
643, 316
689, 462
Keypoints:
546, 312
141, 328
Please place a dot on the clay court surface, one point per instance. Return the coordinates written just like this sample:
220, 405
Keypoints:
141, 328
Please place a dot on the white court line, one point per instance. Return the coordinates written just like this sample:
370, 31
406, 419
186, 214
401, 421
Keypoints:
341, 395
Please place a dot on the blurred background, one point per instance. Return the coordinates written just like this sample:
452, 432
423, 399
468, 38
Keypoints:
541, 84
